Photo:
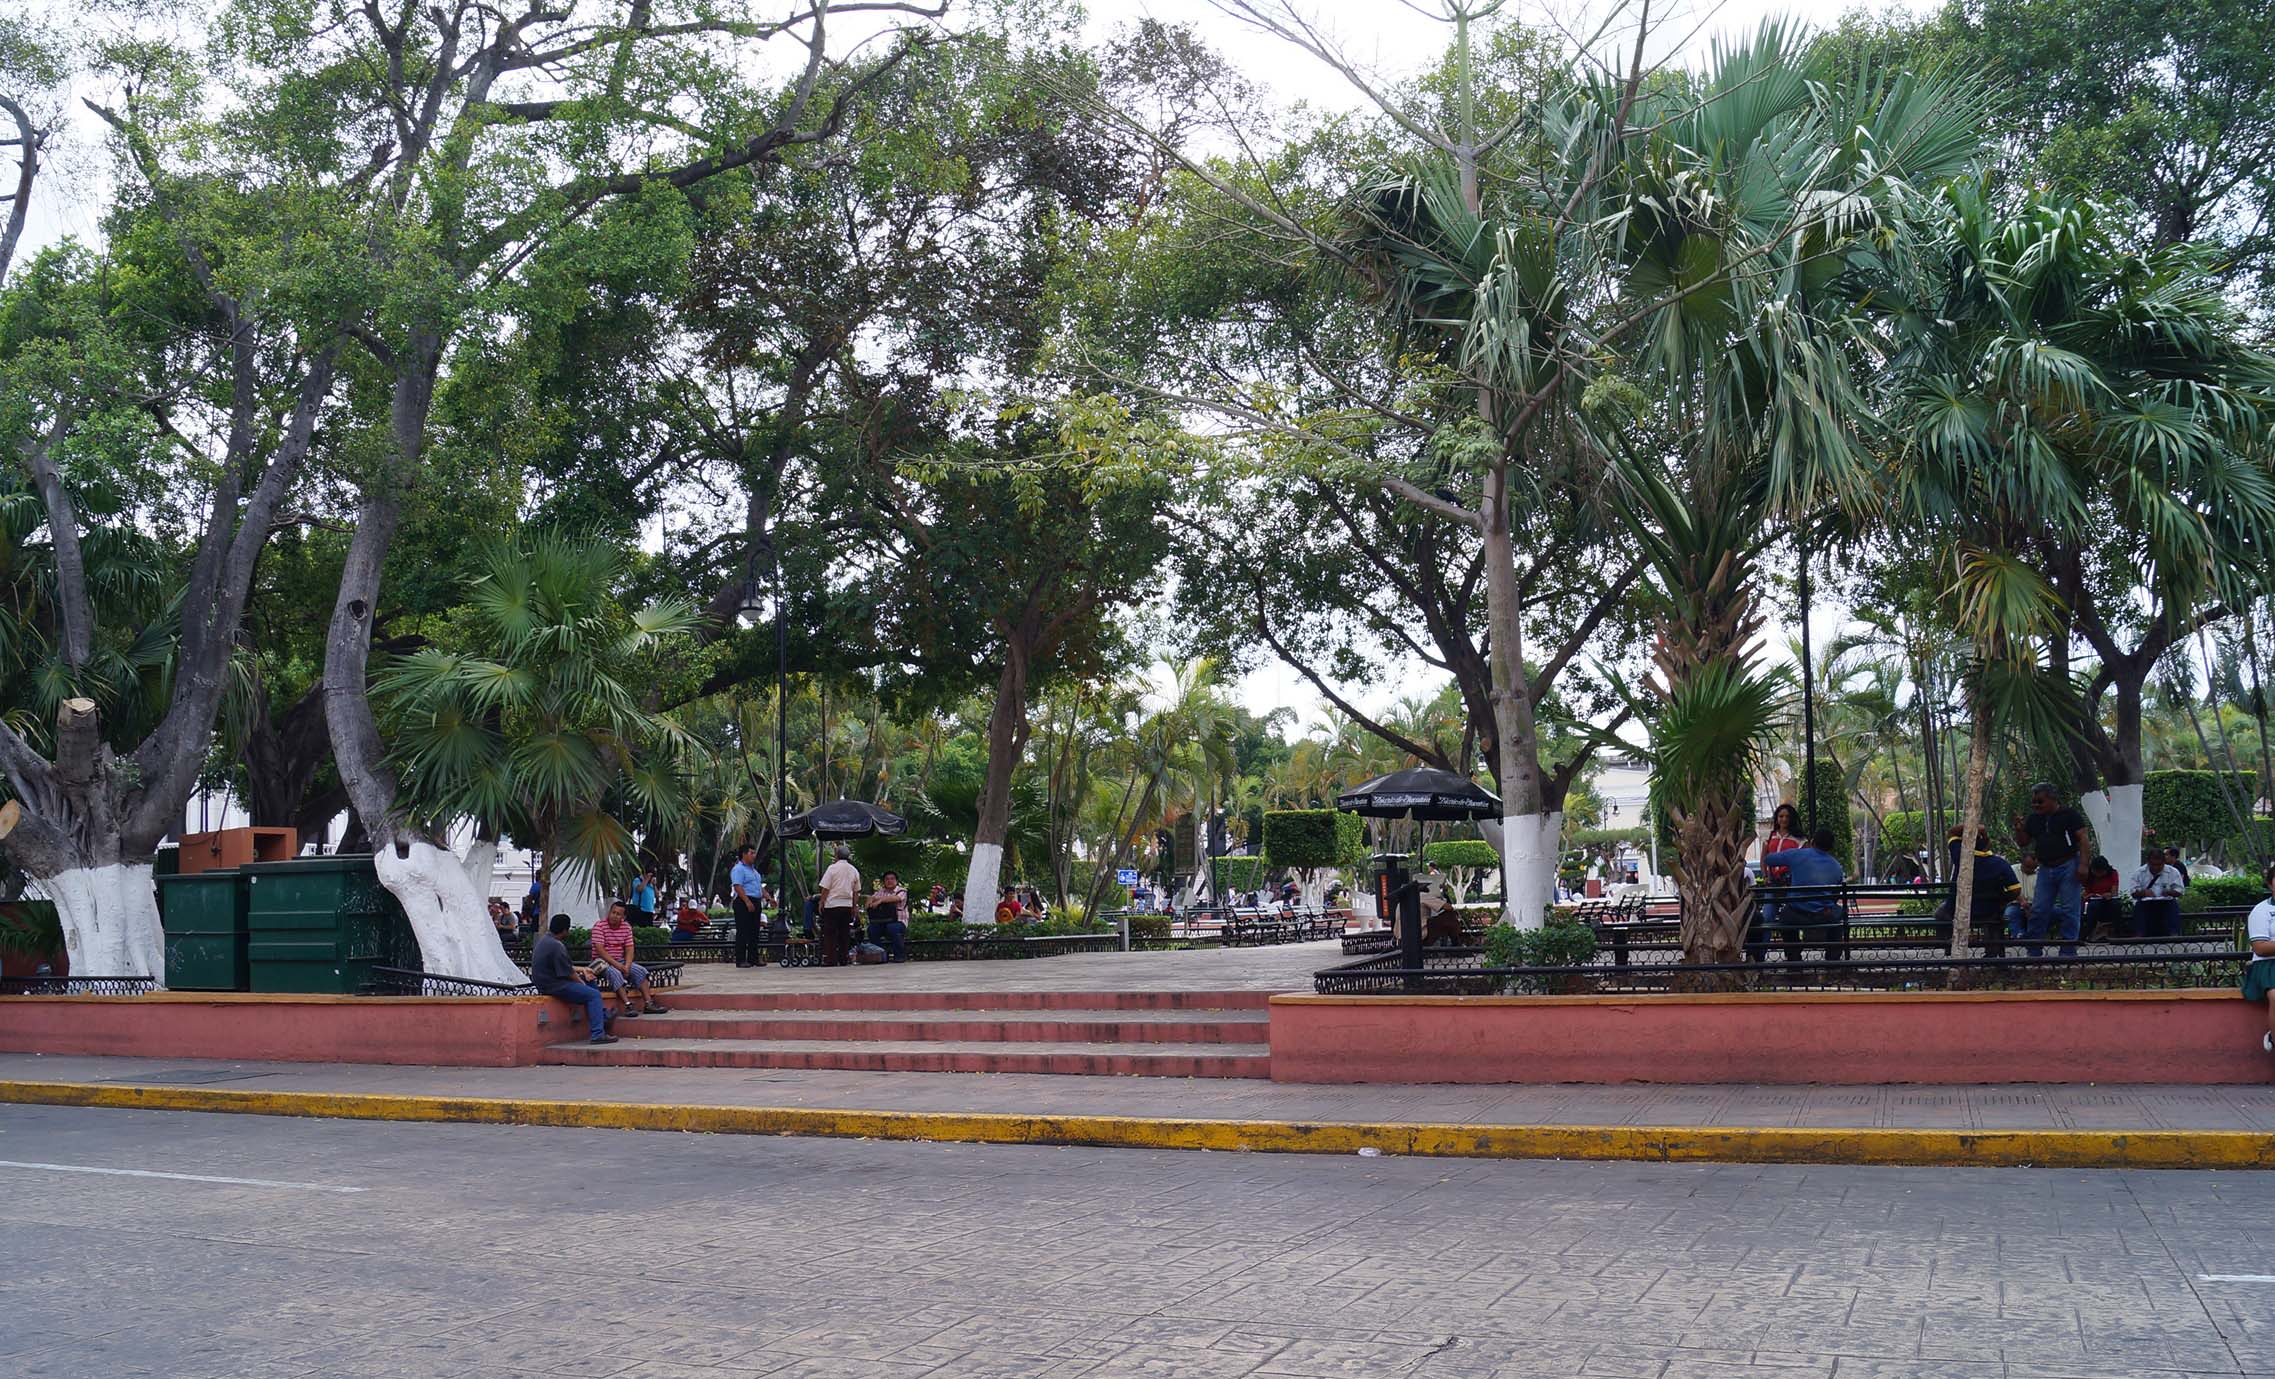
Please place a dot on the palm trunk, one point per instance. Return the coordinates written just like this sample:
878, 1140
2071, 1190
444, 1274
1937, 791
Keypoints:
1710, 877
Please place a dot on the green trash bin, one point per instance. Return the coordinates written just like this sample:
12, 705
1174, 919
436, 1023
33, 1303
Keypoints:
321, 924
206, 935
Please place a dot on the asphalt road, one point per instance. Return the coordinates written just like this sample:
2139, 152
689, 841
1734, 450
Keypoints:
203, 1245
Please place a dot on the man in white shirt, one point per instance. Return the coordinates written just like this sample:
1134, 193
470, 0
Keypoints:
2259, 973
2156, 888
840, 896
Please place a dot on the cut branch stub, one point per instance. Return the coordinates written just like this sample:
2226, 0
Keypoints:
11, 814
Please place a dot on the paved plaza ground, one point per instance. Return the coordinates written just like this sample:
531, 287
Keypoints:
518, 1251
1285, 967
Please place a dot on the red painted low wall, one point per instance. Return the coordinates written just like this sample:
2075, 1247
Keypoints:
462, 1031
1968, 1037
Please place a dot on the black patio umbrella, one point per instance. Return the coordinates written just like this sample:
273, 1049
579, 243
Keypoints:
1420, 792
844, 819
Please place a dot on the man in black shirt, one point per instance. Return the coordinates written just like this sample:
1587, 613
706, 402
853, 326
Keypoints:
2061, 840
555, 975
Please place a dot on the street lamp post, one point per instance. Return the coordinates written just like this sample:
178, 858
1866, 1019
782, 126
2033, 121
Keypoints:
753, 606
1808, 704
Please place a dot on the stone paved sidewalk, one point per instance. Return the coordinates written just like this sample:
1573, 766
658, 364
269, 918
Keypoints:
1963, 1108
1286, 967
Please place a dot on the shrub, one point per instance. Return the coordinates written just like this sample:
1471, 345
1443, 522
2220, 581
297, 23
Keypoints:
30, 929
1149, 928
2189, 807
1301, 839
1462, 859
647, 938
1559, 943
1902, 830
1240, 873
2220, 892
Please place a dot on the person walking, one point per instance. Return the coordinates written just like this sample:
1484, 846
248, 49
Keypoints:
2060, 840
840, 897
746, 886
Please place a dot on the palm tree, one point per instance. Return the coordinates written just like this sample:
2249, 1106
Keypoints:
547, 736
1748, 204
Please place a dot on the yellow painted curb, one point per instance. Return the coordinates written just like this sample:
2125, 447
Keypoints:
1654, 1143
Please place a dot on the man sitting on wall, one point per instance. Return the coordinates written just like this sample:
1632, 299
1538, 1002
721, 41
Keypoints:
612, 963
555, 975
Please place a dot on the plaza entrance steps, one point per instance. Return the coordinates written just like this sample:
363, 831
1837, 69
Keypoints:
1093, 1033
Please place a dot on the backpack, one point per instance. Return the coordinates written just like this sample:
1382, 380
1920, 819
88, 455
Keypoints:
868, 953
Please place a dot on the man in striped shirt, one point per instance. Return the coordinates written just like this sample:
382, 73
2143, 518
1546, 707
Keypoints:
613, 966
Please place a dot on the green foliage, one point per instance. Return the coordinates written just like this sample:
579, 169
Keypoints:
2222, 892
1832, 811
1901, 830
528, 715
2188, 808
1240, 873
1303, 839
30, 929
1149, 928
1558, 943
1470, 853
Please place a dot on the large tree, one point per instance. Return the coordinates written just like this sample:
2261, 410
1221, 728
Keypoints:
470, 135
254, 277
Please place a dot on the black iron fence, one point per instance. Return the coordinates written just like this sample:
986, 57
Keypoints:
76, 986
403, 981
2140, 966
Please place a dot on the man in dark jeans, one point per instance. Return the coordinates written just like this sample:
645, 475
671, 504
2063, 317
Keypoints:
747, 888
2061, 841
555, 975
1814, 913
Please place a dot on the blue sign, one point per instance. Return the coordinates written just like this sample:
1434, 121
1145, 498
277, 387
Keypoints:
1127, 876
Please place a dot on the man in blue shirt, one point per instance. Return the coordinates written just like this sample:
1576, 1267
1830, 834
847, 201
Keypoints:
641, 903
1809, 909
748, 887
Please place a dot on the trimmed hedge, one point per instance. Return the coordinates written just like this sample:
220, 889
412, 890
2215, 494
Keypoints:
1474, 853
2188, 808
1240, 873
1303, 839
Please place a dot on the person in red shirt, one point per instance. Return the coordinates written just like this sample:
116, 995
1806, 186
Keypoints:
1784, 836
613, 966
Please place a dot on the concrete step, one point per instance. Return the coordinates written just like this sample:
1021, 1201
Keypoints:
945, 1056
696, 998
1229, 1027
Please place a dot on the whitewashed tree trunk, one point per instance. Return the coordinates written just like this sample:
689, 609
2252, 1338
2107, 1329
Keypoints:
110, 920
1527, 843
446, 912
2117, 819
576, 892
481, 863
983, 883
